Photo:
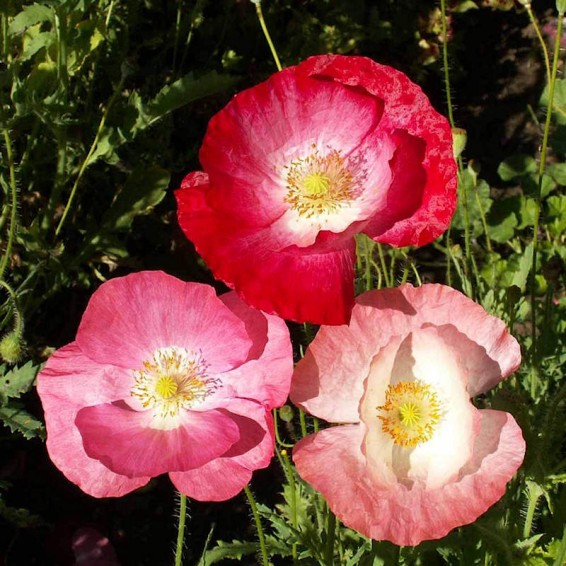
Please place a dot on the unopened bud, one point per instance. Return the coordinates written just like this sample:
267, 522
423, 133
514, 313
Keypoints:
286, 413
11, 349
459, 139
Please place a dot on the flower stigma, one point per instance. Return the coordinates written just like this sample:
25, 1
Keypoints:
411, 413
172, 380
318, 185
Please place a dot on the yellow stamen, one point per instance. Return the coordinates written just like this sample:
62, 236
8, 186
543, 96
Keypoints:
319, 185
172, 380
411, 413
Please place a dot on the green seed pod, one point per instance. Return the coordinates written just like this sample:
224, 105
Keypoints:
286, 413
459, 137
11, 348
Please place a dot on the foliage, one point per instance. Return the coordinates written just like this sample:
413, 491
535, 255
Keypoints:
102, 108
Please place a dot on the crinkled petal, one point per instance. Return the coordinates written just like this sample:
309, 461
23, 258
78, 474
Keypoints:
68, 382
249, 143
219, 480
295, 283
266, 375
123, 440
423, 357
129, 317
226, 476
406, 109
484, 346
333, 463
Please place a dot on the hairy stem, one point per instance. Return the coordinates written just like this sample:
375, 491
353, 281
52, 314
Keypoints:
181, 529
261, 536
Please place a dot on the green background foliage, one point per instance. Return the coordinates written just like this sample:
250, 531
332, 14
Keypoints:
103, 106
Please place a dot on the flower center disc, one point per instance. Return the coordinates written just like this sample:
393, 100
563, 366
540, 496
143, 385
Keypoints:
173, 379
411, 413
319, 185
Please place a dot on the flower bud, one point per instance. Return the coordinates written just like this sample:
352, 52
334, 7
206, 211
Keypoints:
459, 137
11, 348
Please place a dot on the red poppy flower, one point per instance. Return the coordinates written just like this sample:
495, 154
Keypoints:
296, 166
414, 458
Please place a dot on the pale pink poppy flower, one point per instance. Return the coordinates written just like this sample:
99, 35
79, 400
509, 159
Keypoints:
165, 377
416, 458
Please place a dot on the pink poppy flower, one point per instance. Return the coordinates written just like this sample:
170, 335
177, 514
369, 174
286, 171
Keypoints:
165, 377
296, 166
416, 459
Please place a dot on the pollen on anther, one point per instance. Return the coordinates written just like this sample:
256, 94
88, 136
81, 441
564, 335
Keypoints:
318, 185
173, 379
411, 413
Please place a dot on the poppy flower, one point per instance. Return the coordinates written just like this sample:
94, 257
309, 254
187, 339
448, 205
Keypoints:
165, 377
413, 458
296, 166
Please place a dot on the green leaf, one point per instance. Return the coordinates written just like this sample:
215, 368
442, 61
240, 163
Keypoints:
108, 141
19, 420
529, 184
19, 517
235, 550
464, 6
516, 166
558, 172
502, 219
17, 381
30, 16
556, 206
521, 275
474, 194
185, 90
559, 101
144, 189
33, 42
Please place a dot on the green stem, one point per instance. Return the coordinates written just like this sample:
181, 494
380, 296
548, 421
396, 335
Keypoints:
276, 428
530, 515
542, 166
181, 529
13, 205
445, 62
266, 33
89, 155
542, 42
383, 266
259, 528
18, 319
177, 32
303, 423
291, 478
331, 537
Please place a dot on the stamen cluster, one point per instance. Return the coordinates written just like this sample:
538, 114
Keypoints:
174, 379
411, 413
318, 184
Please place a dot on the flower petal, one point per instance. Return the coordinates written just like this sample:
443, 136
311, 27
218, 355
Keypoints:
123, 440
423, 357
333, 463
226, 476
486, 349
406, 109
129, 317
296, 283
266, 375
249, 143
69, 381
